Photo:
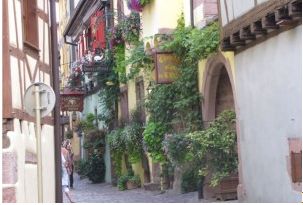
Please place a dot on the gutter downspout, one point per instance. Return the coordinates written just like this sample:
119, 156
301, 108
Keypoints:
55, 72
192, 13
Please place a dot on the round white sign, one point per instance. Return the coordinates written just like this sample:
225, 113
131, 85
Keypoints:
47, 99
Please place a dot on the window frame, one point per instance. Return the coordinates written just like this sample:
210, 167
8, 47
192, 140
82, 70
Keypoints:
32, 44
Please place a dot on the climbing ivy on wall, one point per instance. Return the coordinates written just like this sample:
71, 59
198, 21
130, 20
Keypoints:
178, 104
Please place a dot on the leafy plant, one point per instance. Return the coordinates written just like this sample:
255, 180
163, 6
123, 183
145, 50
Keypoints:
95, 141
134, 141
153, 138
96, 168
81, 167
176, 148
131, 28
118, 147
138, 60
189, 180
215, 147
127, 30
120, 64
88, 123
122, 181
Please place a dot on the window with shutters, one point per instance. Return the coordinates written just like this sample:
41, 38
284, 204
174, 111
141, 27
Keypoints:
140, 99
30, 24
296, 166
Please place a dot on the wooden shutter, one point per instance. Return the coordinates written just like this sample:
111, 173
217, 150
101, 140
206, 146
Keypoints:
100, 38
30, 23
124, 105
296, 166
140, 99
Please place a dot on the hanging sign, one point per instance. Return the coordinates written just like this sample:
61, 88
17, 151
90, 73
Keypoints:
166, 64
71, 100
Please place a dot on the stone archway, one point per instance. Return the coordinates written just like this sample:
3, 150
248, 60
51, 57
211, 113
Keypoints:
219, 94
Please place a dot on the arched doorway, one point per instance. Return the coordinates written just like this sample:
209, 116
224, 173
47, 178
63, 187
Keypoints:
218, 92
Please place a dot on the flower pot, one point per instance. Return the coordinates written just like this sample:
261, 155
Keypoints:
131, 185
227, 189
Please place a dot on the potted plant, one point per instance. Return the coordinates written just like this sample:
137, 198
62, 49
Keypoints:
133, 182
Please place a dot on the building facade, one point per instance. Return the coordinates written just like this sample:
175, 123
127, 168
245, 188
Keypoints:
258, 73
26, 60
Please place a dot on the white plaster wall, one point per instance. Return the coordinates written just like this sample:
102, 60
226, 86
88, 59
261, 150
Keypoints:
269, 97
90, 103
242, 6
16, 95
235, 9
15, 28
23, 140
261, 1
186, 6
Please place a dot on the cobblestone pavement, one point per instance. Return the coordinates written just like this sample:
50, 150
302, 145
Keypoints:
85, 191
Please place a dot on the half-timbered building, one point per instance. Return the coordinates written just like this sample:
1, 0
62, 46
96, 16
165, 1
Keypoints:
26, 60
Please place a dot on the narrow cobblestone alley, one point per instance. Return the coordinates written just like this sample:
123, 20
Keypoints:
85, 191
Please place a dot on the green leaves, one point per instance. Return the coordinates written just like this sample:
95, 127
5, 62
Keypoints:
216, 146
153, 138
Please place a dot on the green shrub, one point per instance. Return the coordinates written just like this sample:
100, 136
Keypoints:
96, 168
153, 138
122, 181
215, 148
82, 168
189, 181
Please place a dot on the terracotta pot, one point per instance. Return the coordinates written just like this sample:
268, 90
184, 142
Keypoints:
131, 185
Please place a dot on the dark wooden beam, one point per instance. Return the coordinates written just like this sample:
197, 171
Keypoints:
269, 23
295, 9
235, 40
257, 29
226, 46
282, 17
245, 34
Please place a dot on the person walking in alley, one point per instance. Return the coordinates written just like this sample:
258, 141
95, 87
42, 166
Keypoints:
70, 168
65, 167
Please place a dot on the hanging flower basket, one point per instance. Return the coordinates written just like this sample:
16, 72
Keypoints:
76, 78
135, 5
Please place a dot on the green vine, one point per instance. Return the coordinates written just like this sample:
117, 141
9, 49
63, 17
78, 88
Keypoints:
178, 104
127, 140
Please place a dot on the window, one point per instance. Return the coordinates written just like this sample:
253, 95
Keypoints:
124, 105
140, 99
296, 167
30, 23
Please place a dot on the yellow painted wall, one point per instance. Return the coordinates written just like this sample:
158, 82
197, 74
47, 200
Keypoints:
76, 146
132, 103
229, 56
156, 15
160, 14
